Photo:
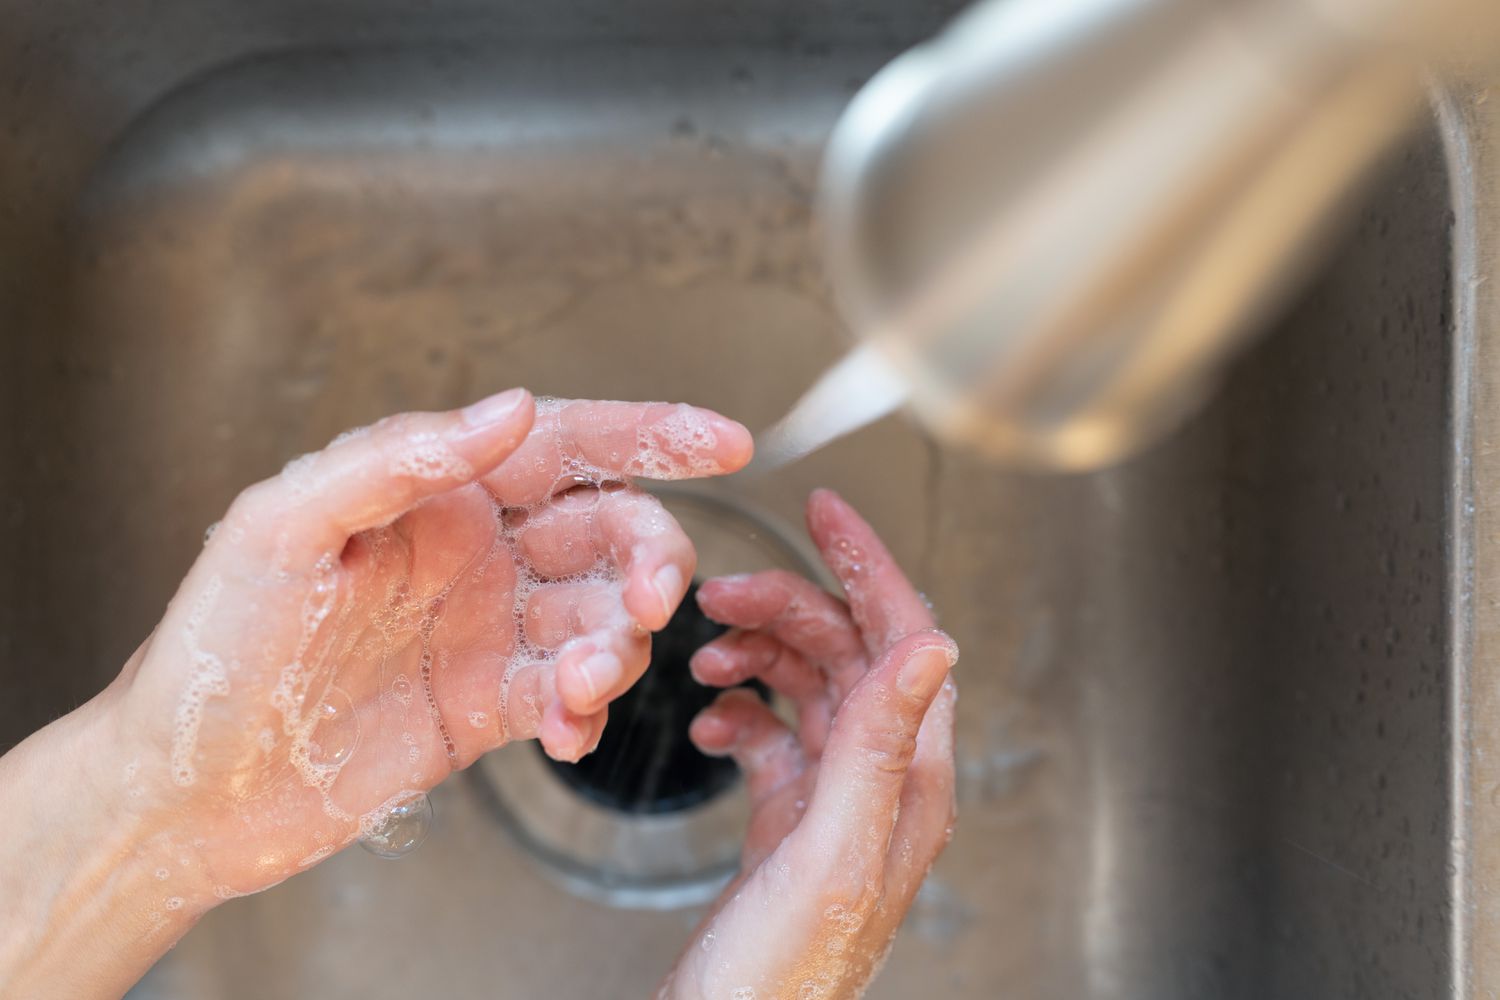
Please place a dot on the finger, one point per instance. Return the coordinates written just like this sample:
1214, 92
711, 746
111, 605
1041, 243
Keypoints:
928, 804
650, 548
567, 735
559, 539
738, 656
874, 737
444, 536
882, 601
628, 528
597, 722
593, 441
594, 670
370, 478
741, 726
796, 611
557, 612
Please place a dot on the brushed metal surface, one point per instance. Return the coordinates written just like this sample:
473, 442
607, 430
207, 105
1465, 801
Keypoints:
1226, 708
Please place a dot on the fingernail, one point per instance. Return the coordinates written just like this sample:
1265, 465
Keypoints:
923, 672
493, 409
600, 673
668, 584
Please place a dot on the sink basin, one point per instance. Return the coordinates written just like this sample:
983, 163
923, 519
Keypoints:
1229, 721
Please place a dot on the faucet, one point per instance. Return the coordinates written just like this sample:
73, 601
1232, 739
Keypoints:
1054, 225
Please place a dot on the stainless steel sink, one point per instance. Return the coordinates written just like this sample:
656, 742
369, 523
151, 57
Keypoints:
1229, 718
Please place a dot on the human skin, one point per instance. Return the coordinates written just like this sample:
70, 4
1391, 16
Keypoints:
851, 809
350, 635
418, 593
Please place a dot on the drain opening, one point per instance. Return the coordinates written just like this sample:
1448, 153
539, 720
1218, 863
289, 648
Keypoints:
645, 763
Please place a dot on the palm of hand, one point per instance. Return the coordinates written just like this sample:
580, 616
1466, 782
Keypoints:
300, 690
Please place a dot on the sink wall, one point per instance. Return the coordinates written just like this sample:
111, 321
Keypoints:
1208, 740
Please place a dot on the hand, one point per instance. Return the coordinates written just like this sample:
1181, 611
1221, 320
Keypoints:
386, 610
849, 812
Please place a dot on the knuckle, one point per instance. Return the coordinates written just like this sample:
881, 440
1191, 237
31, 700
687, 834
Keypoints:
888, 748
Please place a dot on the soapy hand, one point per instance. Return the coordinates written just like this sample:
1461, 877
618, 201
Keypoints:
386, 610
849, 811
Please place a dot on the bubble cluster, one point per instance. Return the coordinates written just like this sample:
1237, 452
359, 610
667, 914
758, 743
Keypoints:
574, 470
207, 678
336, 733
297, 476
426, 455
681, 442
318, 761
397, 826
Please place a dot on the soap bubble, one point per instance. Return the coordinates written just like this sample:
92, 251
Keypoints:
337, 730
397, 830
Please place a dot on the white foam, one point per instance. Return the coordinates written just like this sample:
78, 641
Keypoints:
681, 442
426, 455
206, 678
301, 713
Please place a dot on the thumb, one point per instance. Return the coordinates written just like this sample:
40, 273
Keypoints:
874, 736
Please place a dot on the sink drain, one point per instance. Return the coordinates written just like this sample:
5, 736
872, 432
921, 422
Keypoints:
645, 762
646, 821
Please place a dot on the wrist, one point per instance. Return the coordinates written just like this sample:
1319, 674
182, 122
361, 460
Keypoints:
101, 886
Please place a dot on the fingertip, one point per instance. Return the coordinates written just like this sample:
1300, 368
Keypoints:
821, 503
723, 598
711, 732
564, 735
708, 665
496, 425
918, 664
644, 600
711, 591
736, 445
499, 408
936, 637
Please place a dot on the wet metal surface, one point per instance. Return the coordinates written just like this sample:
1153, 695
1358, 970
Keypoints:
1207, 736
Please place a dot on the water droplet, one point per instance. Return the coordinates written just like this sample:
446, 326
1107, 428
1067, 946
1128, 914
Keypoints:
337, 732
401, 830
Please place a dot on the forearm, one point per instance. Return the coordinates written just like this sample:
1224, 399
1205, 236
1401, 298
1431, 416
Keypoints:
93, 893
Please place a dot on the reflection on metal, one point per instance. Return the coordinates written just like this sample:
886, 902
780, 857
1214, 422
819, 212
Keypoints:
1254, 636
1058, 222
